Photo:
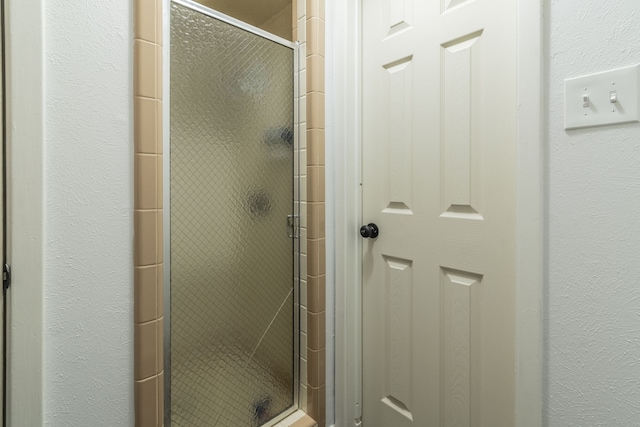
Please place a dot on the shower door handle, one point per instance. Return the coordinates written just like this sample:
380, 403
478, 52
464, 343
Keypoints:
292, 226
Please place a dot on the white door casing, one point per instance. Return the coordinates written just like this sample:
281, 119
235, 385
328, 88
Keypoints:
439, 161
2, 236
24, 74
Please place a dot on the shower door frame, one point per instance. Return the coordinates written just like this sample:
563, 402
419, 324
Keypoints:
166, 180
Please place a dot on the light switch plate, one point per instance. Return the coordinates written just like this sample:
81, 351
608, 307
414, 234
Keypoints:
602, 99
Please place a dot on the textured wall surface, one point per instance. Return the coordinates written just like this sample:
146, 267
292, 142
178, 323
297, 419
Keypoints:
592, 306
88, 326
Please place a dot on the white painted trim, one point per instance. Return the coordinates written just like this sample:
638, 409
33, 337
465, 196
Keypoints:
345, 110
2, 236
345, 23
529, 226
25, 156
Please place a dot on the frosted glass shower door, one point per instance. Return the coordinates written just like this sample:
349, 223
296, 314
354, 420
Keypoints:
231, 193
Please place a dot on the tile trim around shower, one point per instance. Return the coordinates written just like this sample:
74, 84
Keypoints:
148, 218
309, 15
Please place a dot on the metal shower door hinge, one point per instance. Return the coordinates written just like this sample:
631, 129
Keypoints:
6, 276
292, 226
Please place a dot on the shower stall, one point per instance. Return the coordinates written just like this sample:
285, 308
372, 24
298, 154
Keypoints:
231, 294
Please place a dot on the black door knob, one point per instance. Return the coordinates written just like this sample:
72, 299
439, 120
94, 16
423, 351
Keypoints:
370, 230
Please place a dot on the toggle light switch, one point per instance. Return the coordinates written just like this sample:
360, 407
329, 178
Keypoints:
603, 98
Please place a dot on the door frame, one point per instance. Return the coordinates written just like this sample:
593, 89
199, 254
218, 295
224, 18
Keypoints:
345, 111
166, 142
25, 148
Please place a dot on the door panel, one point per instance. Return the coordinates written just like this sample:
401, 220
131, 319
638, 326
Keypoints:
439, 134
233, 262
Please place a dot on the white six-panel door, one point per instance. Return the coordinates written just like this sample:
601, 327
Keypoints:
439, 162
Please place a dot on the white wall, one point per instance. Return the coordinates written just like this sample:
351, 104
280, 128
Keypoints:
88, 220
592, 306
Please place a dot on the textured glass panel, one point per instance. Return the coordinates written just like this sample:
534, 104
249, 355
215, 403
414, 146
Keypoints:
232, 355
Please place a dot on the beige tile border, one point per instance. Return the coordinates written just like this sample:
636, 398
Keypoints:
308, 16
314, 49
148, 283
